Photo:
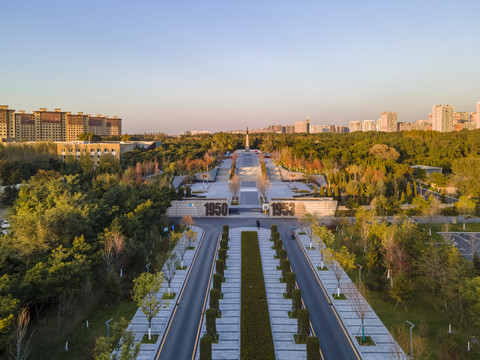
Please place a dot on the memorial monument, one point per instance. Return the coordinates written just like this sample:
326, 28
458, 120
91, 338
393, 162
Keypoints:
247, 143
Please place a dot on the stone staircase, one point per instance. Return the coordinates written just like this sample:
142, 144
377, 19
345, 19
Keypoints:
223, 174
274, 173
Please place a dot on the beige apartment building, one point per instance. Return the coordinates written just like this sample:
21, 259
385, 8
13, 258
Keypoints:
7, 122
56, 125
388, 121
442, 118
369, 125
79, 149
355, 126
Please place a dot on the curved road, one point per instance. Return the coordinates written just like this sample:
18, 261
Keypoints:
182, 335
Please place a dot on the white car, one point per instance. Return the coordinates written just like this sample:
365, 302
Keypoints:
5, 224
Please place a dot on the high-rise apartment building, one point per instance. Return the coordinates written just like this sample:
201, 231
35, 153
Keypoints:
442, 118
7, 122
44, 125
355, 126
388, 121
461, 117
75, 125
302, 126
25, 126
478, 115
50, 125
369, 125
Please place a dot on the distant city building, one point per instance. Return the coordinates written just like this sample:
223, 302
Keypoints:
56, 125
461, 117
276, 129
473, 117
290, 129
317, 129
442, 118
201, 132
302, 126
465, 125
355, 126
7, 122
341, 129
477, 120
369, 125
388, 121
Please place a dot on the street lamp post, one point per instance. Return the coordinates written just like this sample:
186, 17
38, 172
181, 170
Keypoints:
360, 274
148, 267
108, 329
411, 343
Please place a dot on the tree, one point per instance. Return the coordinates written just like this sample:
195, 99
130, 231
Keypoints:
170, 269
145, 290
466, 207
466, 172
108, 164
300, 212
471, 293
234, 186
191, 236
263, 185
340, 261
364, 220
401, 289
358, 302
324, 239
187, 221
310, 222
182, 247
22, 347
120, 346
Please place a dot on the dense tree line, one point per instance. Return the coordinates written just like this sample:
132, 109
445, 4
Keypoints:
73, 232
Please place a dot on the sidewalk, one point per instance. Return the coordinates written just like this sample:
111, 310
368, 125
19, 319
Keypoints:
283, 328
139, 323
386, 347
228, 326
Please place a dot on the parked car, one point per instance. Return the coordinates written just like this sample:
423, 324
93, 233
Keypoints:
5, 224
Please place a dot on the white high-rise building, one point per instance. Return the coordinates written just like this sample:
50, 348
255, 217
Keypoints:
369, 125
442, 118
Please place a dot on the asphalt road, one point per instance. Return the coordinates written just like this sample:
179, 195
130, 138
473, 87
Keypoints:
183, 332
182, 338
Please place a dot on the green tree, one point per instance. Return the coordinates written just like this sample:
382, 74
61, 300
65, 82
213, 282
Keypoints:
466, 206
401, 289
324, 239
145, 290
340, 261
120, 346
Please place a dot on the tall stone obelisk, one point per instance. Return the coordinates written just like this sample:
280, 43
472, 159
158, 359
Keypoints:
247, 143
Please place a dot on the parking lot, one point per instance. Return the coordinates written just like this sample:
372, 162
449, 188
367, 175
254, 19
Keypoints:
466, 242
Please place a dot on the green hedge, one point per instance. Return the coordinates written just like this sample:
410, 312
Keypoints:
206, 347
217, 281
256, 333
296, 301
215, 300
285, 266
303, 325
220, 267
211, 316
313, 348
290, 284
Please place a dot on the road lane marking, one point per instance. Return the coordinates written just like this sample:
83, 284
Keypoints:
205, 300
179, 297
328, 298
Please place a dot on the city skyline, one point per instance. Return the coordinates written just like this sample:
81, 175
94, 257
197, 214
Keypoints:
219, 66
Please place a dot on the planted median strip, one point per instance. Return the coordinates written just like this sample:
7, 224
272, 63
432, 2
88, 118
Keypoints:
256, 332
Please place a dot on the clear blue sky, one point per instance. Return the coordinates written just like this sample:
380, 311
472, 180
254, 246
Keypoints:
176, 65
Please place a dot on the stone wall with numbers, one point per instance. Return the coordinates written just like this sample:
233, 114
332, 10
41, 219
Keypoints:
199, 207
292, 207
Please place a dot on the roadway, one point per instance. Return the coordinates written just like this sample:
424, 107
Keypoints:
183, 332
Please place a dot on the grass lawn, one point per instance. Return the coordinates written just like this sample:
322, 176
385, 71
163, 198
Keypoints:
82, 342
256, 332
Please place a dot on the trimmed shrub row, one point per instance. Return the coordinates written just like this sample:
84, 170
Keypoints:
215, 294
256, 333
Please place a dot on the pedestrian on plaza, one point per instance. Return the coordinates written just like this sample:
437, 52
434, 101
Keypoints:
258, 224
